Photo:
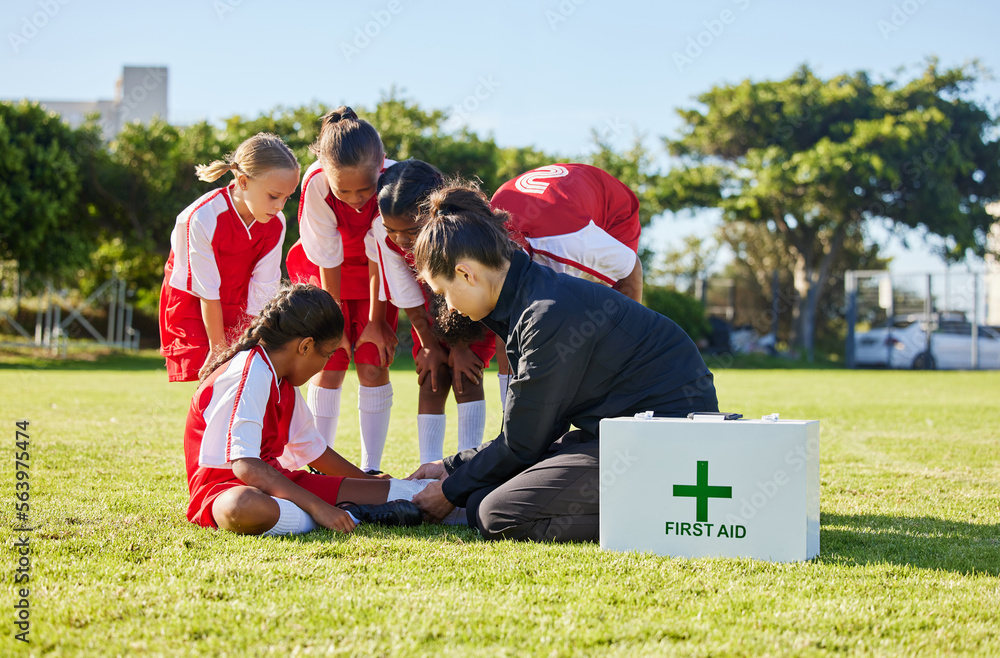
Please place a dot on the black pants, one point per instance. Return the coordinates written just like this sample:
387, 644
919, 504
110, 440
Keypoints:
557, 499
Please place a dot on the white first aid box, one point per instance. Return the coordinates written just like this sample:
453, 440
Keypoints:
709, 487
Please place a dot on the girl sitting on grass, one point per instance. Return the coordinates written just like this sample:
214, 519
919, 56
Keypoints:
249, 430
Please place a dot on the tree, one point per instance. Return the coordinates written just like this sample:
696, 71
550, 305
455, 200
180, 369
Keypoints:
812, 160
43, 225
759, 253
135, 186
688, 263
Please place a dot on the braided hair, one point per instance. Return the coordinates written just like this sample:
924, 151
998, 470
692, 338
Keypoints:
296, 311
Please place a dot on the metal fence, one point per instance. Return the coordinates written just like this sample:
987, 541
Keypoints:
913, 318
58, 315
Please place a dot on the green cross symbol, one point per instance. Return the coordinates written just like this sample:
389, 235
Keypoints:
702, 492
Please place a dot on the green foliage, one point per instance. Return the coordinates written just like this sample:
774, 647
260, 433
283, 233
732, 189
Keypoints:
759, 253
43, 224
683, 309
812, 159
688, 263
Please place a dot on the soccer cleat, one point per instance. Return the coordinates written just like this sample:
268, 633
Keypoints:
373, 471
392, 513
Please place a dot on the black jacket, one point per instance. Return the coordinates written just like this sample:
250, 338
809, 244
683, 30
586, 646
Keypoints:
578, 352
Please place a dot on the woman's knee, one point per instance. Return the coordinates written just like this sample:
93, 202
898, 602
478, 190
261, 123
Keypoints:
245, 511
496, 519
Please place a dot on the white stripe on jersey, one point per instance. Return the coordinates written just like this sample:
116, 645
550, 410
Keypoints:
266, 276
318, 222
195, 269
404, 291
592, 248
234, 418
305, 443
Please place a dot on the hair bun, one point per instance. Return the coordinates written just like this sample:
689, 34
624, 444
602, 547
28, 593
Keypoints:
342, 113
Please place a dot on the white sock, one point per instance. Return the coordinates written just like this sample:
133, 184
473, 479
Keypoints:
430, 435
471, 423
292, 520
374, 406
406, 489
324, 403
504, 382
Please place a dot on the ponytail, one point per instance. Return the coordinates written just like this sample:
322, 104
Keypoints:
459, 223
295, 312
347, 142
253, 158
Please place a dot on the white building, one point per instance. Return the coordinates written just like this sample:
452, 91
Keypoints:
140, 95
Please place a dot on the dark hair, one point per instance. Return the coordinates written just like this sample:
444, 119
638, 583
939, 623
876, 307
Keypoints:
459, 223
345, 141
297, 311
405, 185
451, 326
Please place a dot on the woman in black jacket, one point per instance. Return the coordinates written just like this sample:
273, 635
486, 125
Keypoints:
579, 352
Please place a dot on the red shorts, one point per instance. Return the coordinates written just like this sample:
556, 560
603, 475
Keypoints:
302, 270
183, 338
324, 486
484, 348
355, 320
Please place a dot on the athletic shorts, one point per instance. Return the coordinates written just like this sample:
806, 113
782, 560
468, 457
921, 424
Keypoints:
355, 320
324, 486
485, 348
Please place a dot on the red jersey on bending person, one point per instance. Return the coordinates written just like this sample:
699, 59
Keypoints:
214, 256
332, 235
574, 218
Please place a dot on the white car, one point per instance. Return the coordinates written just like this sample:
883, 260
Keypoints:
905, 346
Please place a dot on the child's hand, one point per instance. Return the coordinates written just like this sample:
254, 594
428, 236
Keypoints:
334, 518
381, 335
430, 362
463, 361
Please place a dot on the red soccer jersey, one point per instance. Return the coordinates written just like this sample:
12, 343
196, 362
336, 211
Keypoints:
399, 285
399, 275
332, 234
242, 410
214, 255
574, 218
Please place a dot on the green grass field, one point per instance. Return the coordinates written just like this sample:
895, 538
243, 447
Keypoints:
909, 564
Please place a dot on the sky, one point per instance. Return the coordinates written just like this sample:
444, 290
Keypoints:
545, 74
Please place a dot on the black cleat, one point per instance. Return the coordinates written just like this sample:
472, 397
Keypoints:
372, 471
392, 513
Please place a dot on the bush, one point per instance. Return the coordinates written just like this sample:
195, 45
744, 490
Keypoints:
683, 309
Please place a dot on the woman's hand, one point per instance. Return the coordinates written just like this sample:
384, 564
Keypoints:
433, 503
430, 471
